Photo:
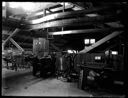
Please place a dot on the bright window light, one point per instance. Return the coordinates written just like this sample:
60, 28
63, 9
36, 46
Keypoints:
70, 51
3, 4
25, 5
74, 51
40, 13
114, 52
66, 4
47, 11
97, 57
92, 41
86, 41
76, 8
3, 53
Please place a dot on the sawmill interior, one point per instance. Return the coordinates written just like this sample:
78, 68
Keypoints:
64, 49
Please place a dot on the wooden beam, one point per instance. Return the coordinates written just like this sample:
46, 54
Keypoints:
98, 43
81, 31
34, 14
49, 10
18, 46
71, 22
63, 15
12, 34
56, 48
79, 5
62, 8
25, 44
24, 37
40, 15
115, 24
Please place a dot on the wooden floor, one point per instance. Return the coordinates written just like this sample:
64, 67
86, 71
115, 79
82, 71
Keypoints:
22, 83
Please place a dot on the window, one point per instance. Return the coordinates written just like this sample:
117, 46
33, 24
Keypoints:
89, 41
97, 57
92, 41
86, 41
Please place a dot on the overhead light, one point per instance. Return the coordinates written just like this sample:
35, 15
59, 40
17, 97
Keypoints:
114, 53
91, 15
69, 51
60, 33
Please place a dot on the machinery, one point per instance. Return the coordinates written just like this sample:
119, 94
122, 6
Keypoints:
98, 70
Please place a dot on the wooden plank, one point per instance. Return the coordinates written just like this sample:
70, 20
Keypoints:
65, 22
12, 34
98, 43
63, 15
71, 22
56, 48
18, 46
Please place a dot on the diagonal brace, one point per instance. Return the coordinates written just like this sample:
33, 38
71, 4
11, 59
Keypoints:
18, 46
